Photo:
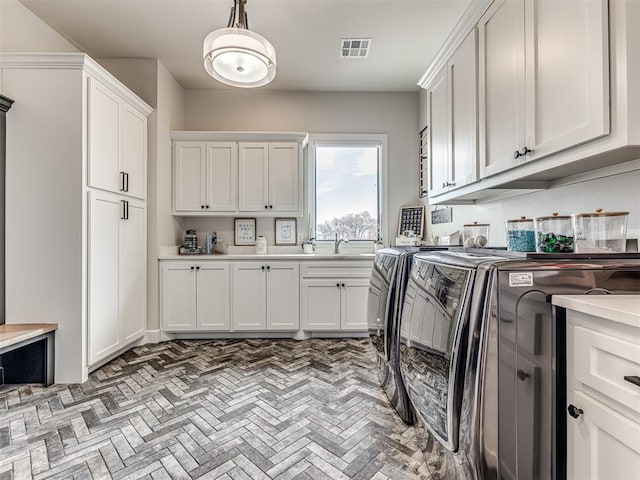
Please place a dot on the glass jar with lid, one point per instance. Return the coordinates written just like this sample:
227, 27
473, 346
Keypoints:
521, 236
554, 234
475, 234
600, 232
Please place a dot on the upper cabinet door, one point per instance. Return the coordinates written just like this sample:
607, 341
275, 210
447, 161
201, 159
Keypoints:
117, 143
133, 151
567, 73
221, 177
253, 161
283, 177
463, 78
502, 86
438, 114
189, 180
103, 142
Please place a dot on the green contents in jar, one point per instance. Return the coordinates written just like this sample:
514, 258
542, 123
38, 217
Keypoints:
554, 243
521, 241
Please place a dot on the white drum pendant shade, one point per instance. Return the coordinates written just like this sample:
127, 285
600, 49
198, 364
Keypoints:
239, 57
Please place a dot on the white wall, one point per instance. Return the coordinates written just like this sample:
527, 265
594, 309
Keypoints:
614, 193
314, 112
23, 31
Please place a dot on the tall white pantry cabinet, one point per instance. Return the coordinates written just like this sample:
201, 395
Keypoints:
76, 206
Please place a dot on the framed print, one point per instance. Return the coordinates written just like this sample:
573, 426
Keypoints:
286, 231
245, 231
411, 220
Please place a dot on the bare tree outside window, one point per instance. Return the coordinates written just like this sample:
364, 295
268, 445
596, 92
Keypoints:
347, 194
353, 226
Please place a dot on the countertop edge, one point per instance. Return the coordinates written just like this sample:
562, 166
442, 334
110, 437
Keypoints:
617, 308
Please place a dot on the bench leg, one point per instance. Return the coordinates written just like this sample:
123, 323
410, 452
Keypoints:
49, 360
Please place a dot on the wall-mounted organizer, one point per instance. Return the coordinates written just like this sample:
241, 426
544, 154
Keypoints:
411, 220
423, 162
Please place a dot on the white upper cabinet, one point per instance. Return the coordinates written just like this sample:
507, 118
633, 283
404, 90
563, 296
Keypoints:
104, 130
254, 177
567, 53
133, 153
117, 142
284, 185
269, 179
556, 96
502, 86
438, 121
463, 104
452, 121
543, 79
189, 161
223, 177
205, 176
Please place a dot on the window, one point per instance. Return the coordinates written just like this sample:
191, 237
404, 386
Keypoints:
347, 176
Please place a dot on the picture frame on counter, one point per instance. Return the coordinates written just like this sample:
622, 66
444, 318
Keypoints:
286, 231
245, 231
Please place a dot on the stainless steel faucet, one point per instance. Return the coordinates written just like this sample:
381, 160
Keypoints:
338, 242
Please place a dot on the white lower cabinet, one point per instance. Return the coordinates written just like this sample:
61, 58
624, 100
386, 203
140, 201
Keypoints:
603, 391
195, 296
116, 273
265, 296
605, 444
335, 303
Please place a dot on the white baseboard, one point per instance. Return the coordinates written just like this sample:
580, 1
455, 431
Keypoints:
153, 336
157, 336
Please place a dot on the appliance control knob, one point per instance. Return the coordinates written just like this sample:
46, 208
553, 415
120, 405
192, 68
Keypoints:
574, 411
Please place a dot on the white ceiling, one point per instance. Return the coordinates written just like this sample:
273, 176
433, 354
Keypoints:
305, 33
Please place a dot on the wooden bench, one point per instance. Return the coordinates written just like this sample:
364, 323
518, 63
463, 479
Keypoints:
27, 353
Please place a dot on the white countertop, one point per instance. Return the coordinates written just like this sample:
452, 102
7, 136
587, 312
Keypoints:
617, 308
270, 256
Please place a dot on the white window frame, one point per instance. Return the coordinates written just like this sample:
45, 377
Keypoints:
349, 140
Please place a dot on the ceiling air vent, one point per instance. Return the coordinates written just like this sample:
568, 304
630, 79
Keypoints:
355, 47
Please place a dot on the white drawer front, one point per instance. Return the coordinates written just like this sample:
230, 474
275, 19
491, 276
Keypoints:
336, 269
602, 361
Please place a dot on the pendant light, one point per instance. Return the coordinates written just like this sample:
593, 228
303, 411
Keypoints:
237, 56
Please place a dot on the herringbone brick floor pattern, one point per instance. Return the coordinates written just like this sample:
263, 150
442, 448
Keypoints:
214, 409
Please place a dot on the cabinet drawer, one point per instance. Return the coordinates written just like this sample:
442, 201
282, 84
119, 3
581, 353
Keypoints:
336, 269
602, 361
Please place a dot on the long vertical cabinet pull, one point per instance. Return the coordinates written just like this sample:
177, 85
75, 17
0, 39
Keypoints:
125, 210
124, 182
